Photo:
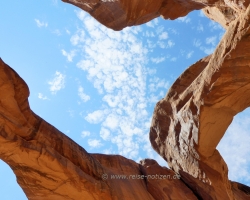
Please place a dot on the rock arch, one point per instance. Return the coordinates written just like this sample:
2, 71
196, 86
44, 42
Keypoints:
185, 130
190, 121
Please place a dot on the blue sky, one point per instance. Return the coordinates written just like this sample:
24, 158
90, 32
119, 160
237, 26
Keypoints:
99, 86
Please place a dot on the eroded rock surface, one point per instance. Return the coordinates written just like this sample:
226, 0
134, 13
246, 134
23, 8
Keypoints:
190, 121
186, 127
118, 14
49, 165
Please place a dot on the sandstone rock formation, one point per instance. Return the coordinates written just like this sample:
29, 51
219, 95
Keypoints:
186, 127
118, 14
190, 121
49, 165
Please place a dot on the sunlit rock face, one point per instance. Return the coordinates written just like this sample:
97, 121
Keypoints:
190, 121
49, 165
118, 14
187, 124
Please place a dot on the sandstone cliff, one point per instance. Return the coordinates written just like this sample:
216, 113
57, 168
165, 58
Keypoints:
118, 14
185, 129
49, 165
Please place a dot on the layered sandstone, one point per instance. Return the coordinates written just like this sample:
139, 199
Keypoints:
186, 127
49, 165
118, 14
190, 121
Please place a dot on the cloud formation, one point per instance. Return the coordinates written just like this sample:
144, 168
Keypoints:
43, 97
116, 64
84, 97
57, 83
41, 24
69, 55
234, 148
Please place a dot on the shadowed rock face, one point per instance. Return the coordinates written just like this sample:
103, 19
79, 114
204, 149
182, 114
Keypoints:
187, 124
49, 165
190, 121
118, 14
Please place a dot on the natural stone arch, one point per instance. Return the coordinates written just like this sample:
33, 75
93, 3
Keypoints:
49, 165
190, 121
178, 130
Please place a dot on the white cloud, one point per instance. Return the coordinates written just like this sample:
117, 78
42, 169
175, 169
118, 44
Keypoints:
96, 116
170, 43
43, 97
71, 112
174, 31
84, 97
111, 121
152, 23
173, 59
189, 54
149, 34
207, 50
57, 32
197, 43
104, 133
200, 27
163, 36
156, 83
215, 26
158, 59
116, 65
67, 31
164, 45
185, 19
94, 143
211, 40
159, 29
57, 83
85, 134
69, 55
41, 24
78, 37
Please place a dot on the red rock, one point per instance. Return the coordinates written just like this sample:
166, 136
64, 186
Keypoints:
190, 121
187, 124
118, 14
49, 165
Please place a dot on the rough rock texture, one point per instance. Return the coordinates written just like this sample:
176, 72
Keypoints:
221, 14
49, 165
190, 121
118, 14
186, 127
187, 124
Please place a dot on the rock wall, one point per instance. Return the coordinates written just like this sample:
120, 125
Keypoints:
186, 127
49, 165
118, 14
190, 121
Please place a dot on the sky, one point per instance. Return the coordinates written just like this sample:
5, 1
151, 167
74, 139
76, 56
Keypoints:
99, 86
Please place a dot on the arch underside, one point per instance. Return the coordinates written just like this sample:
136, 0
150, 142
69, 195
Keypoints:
187, 124
190, 121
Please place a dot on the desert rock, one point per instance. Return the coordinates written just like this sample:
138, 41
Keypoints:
118, 14
49, 165
186, 127
190, 121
